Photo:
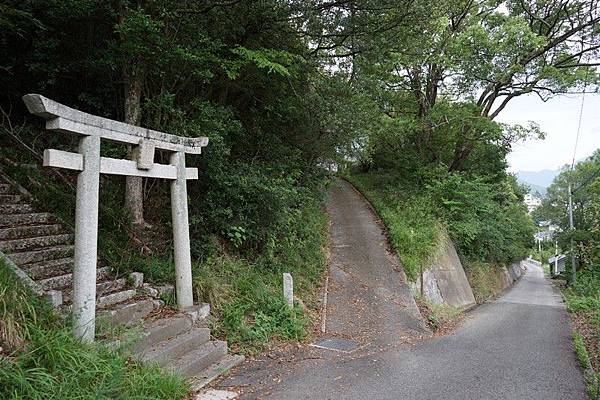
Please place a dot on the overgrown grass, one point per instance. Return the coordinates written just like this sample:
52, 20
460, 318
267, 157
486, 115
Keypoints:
583, 302
486, 280
580, 351
41, 360
246, 295
414, 233
439, 317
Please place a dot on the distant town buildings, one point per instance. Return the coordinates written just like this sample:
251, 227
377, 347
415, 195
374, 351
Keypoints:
532, 202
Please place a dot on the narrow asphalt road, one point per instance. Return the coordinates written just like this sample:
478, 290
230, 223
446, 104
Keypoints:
516, 347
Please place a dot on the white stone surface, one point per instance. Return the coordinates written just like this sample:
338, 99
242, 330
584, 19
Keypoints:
54, 297
288, 289
86, 240
181, 233
62, 118
430, 287
198, 311
144, 154
113, 166
88, 161
137, 279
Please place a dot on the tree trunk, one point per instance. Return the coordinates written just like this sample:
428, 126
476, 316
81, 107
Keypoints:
134, 189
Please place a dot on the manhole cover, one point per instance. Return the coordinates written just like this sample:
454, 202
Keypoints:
336, 344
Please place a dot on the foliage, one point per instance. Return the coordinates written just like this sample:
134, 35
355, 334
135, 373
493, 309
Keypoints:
583, 301
486, 280
487, 222
42, 360
412, 229
585, 183
246, 295
580, 351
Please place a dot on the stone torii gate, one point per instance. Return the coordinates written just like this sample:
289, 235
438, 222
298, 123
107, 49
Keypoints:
88, 161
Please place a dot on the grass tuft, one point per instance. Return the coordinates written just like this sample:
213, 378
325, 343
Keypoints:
41, 360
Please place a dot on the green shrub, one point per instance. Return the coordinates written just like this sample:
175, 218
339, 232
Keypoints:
246, 293
582, 355
485, 279
412, 229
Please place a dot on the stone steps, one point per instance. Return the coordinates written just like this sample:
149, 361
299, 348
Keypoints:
16, 208
112, 299
5, 188
14, 220
25, 244
10, 198
27, 231
43, 249
49, 268
42, 254
229, 361
170, 349
194, 362
59, 282
130, 313
161, 329
183, 347
103, 289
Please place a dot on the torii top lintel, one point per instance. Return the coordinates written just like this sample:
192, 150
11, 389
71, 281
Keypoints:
62, 118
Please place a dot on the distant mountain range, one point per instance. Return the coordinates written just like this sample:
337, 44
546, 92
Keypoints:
538, 181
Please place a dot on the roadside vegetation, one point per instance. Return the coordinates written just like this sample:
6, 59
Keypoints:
582, 296
487, 232
583, 302
40, 359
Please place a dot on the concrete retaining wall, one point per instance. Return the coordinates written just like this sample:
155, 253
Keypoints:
445, 281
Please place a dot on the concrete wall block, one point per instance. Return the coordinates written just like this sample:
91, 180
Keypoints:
451, 279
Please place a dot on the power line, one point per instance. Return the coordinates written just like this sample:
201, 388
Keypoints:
570, 181
579, 125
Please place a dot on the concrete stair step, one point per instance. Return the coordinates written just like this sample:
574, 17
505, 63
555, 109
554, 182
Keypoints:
9, 198
103, 289
49, 268
7, 220
27, 231
62, 281
215, 370
16, 208
115, 298
194, 362
6, 188
44, 254
171, 349
161, 329
130, 313
9, 246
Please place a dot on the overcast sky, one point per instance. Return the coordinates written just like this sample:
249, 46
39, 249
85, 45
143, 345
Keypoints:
558, 118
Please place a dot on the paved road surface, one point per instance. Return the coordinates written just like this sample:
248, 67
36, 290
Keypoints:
517, 347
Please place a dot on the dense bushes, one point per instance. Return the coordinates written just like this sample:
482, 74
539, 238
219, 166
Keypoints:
487, 222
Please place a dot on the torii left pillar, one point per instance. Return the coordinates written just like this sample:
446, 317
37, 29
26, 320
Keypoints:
86, 240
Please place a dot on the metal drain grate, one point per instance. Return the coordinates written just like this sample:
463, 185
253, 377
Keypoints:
336, 344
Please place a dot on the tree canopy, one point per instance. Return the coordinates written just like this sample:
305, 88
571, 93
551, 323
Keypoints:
283, 87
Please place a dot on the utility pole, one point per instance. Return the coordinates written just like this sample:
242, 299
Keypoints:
571, 230
555, 256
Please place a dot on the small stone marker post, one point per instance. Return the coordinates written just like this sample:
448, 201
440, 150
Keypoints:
288, 289
90, 165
